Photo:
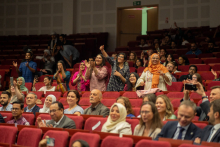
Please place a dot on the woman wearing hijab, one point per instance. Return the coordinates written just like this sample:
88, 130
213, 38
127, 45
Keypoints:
155, 75
97, 73
48, 101
79, 78
21, 83
116, 122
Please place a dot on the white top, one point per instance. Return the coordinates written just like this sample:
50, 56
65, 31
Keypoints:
120, 128
145, 45
75, 109
185, 42
44, 89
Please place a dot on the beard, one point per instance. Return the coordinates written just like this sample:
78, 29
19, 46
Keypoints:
212, 120
4, 103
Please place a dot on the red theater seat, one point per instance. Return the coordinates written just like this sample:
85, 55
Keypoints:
213, 83
28, 86
43, 117
78, 121
140, 69
7, 116
133, 122
176, 86
61, 137
208, 76
184, 68
152, 143
9, 135
85, 102
92, 121
201, 125
29, 117
63, 101
136, 111
136, 102
108, 102
111, 95
190, 145
130, 95
86, 94
57, 94
203, 67
175, 94
114, 141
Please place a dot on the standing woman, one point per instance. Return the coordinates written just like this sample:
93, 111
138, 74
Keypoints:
97, 73
79, 78
120, 71
21, 83
130, 86
155, 75
62, 76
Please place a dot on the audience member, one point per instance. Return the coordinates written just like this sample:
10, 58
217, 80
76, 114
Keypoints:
31, 99
169, 58
73, 99
53, 41
63, 40
211, 133
194, 50
17, 110
170, 67
91, 59
69, 54
79, 78
62, 76
149, 98
155, 75
156, 40
150, 123
125, 102
114, 56
116, 122
48, 85
192, 70
48, 101
133, 78
149, 53
96, 108
211, 48
164, 107
16, 94
27, 68
163, 53
21, 83
97, 73
182, 129
139, 63
80, 143
157, 47
59, 120
133, 57
166, 41
215, 74
5, 101
173, 45
120, 71
197, 78
143, 43
1, 119
49, 62
183, 60
184, 39
175, 70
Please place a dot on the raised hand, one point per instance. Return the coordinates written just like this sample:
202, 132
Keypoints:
92, 63
101, 48
87, 64
27, 64
214, 73
43, 70
15, 64
160, 72
15, 83
41, 123
142, 54
142, 84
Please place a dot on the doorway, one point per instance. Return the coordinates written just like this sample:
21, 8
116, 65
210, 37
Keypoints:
134, 21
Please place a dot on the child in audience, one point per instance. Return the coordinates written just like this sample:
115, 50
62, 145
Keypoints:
48, 85
48, 101
130, 86
21, 83
125, 102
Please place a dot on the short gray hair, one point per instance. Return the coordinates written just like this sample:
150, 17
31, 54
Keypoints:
33, 94
189, 103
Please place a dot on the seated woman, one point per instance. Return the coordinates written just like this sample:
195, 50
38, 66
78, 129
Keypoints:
140, 63
79, 79
125, 102
133, 57
130, 86
21, 83
48, 85
183, 60
164, 107
62, 76
150, 123
73, 99
80, 143
48, 101
16, 93
169, 58
120, 71
155, 75
97, 73
163, 53
116, 122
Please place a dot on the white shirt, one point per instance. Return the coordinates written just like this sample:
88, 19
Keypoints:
56, 124
178, 130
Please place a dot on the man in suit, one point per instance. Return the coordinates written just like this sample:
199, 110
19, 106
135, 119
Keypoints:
31, 103
211, 133
97, 108
2, 119
203, 109
59, 120
182, 129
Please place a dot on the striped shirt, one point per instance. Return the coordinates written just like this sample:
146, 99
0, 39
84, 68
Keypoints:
20, 121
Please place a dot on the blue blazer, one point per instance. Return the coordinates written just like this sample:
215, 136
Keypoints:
34, 110
169, 130
2, 119
204, 135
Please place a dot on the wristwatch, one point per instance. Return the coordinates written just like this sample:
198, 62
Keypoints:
205, 97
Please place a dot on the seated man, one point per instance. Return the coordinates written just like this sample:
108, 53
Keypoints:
192, 70
182, 129
170, 67
97, 108
194, 50
62, 39
31, 103
49, 62
59, 120
1, 119
211, 48
5, 101
173, 45
17, 110
211, 133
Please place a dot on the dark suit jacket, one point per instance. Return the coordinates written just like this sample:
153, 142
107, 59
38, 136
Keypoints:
204, 135
2, 119
184, 77
169, 130
99, 110
66, 122
34, 110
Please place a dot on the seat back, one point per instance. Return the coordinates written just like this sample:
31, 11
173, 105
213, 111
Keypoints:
61, 137
78, 121
176, 86
136, 102
38, 93
201, 125
57, 94
130, 94
114, 141
86, 94
92, 121
213, 83
29, 117
133, 123
108, 102
137, 111
152, 143
111, 95
85, 102
29, 137
28, 86
9, 135
7, 116
175, 94
39, 85
91, 139
63, 101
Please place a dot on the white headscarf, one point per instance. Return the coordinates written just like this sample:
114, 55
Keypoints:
110, 125
45, 109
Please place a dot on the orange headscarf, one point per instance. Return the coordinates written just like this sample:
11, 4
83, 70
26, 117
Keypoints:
154, 70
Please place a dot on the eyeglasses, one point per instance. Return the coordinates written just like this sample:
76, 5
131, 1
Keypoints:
194, 77
53, 111
121, 57
145, 112
192, 69
15, 109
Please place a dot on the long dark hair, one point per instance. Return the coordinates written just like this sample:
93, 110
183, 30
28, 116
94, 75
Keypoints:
142, 63
50, 79
129, 83
77, 95
125, 59
186, 59
64, 66
103, 60
171, 55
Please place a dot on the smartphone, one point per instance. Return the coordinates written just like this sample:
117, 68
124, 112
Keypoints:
11, 81
190, 87
50, 141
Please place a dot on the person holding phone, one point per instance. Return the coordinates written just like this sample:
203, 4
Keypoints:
48, 84
16, 93
120, 71
97, 73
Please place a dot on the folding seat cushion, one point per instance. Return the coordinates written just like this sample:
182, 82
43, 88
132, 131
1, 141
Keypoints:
108, 102
152, 143
61, 137
28, 86
176, 86
92, 121
63, 101
136, 102
114, 141
9, 135
133, 122
175, 94
111, 95
78, 121
29, 117
92, 139
29, 137
130, 94
7, 116
84, 102
55, 93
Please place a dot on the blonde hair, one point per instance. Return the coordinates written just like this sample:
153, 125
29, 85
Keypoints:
169, 106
